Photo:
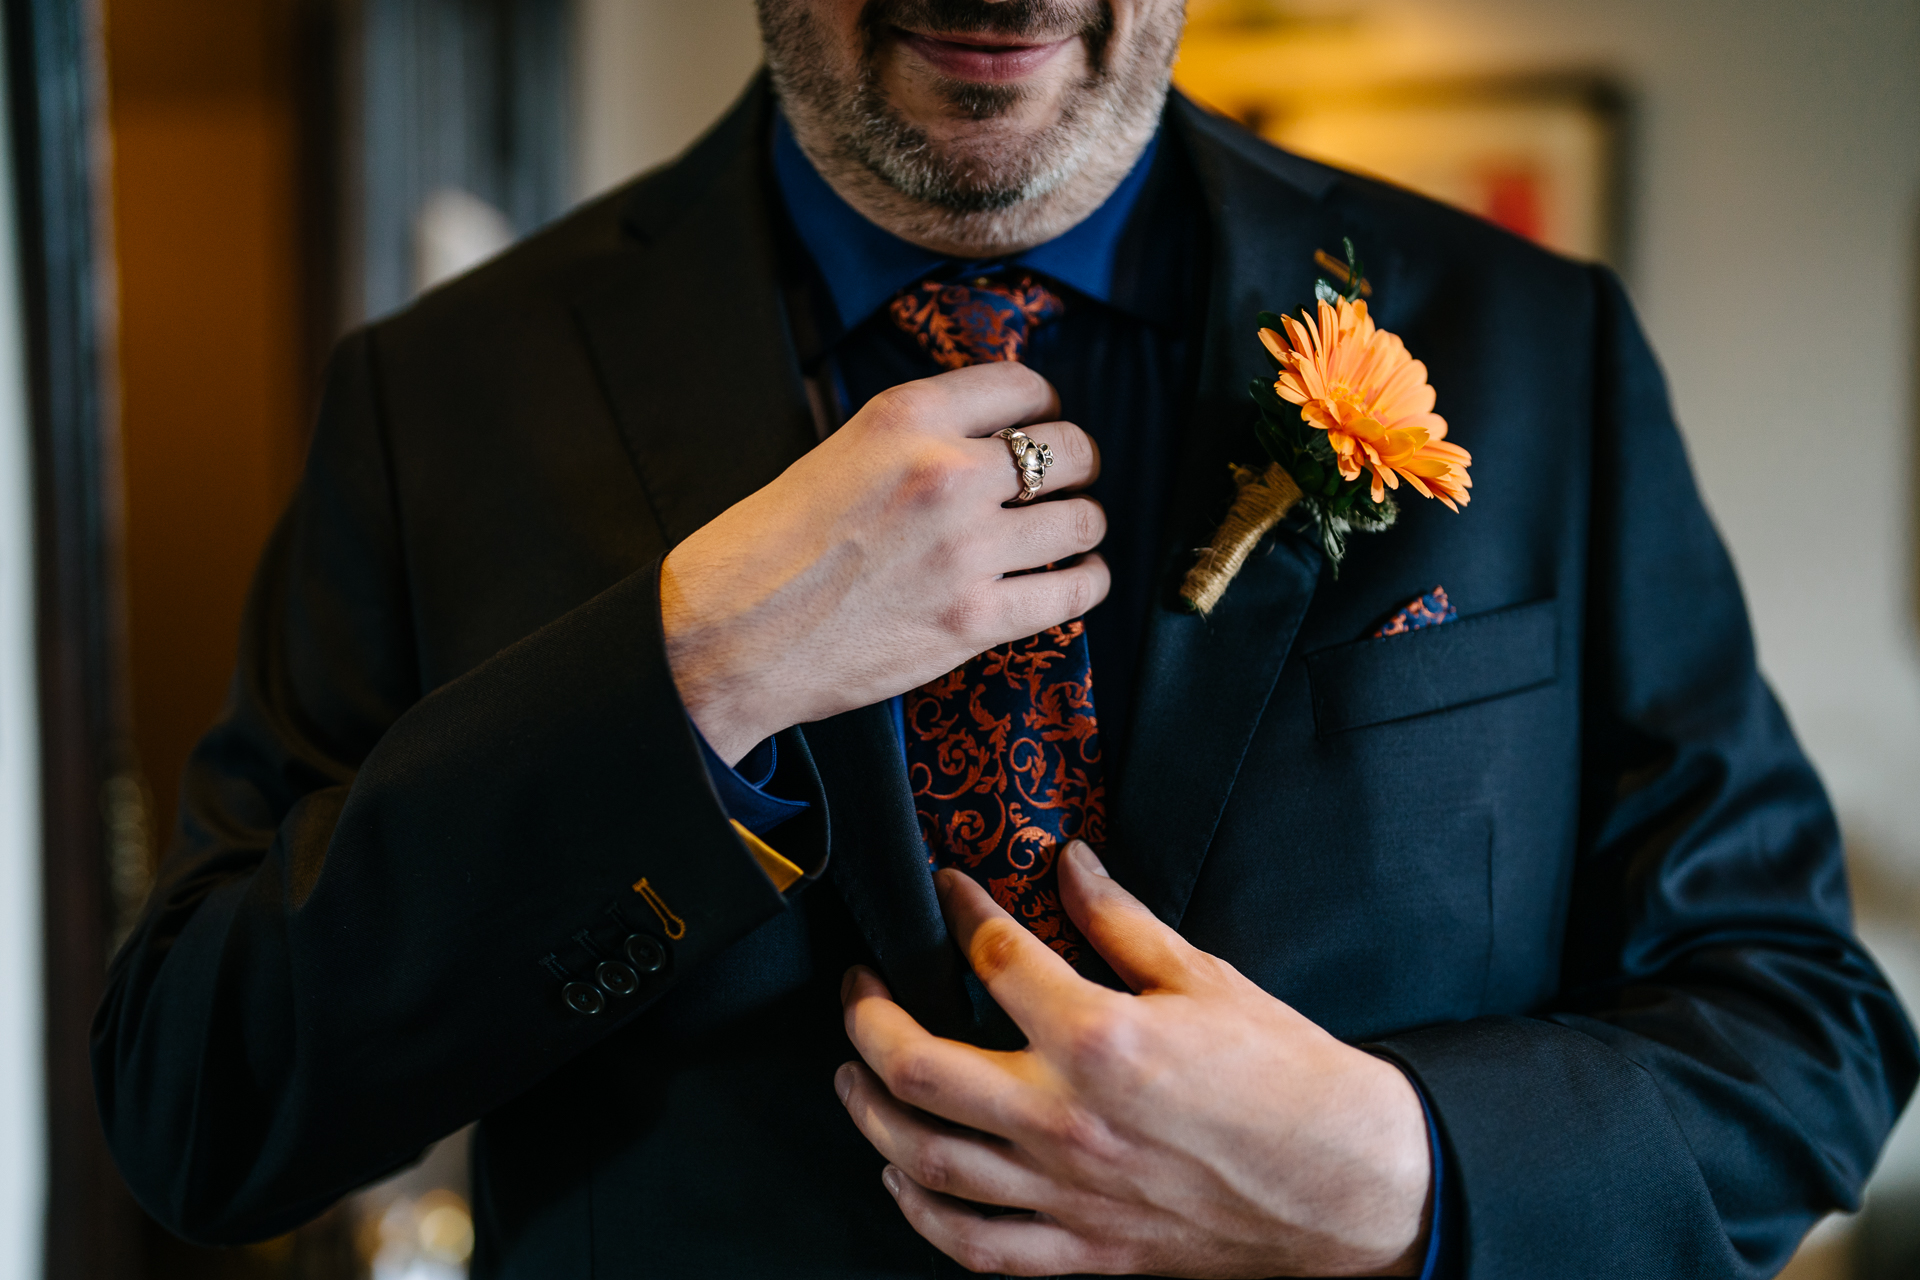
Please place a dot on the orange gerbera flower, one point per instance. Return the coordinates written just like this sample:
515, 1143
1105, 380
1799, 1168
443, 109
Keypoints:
1357, 383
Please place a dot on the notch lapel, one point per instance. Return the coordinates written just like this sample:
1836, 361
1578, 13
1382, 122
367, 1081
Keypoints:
689, 329
1204, 682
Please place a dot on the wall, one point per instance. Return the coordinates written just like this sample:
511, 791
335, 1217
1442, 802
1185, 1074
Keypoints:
652, 74
23, 1150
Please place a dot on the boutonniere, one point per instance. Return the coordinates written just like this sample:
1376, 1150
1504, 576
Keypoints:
1347, 416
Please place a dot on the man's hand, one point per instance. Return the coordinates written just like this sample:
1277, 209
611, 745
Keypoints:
877, 562
1198, 1128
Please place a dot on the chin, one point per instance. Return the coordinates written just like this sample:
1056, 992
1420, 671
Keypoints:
971, 152
975, 151
945, 107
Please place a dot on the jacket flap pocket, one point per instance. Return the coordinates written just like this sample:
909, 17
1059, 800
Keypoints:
1419, 672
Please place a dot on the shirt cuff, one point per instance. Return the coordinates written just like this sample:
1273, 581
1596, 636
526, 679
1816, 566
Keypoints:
1433, 1268
743, 788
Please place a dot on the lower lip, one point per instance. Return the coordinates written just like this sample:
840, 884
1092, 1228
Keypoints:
983, 62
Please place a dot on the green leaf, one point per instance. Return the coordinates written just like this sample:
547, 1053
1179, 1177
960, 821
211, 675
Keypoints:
1355, 270
1333, 540
1282, 419
1269, 320
1267, 398
1333, 534
1276, 445
1375, 517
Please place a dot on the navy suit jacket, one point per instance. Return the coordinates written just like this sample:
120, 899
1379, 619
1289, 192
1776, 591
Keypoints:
1561, 860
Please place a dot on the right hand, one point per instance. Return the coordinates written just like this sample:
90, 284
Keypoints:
878, 561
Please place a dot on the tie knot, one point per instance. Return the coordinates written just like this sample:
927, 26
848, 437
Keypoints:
975, 319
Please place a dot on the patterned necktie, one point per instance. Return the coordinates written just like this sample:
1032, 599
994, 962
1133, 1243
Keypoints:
976, 322
1004, 753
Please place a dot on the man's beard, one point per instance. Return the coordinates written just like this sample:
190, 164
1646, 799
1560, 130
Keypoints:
1115, 102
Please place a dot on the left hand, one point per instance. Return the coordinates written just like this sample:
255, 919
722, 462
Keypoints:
1197, 1128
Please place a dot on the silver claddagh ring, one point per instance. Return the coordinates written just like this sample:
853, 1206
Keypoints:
1030, 458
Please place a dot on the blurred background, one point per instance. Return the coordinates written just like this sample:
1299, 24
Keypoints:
204, 194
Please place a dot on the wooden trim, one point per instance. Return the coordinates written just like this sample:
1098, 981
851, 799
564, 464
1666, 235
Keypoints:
54, 88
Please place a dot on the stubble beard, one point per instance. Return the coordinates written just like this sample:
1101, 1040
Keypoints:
995, 190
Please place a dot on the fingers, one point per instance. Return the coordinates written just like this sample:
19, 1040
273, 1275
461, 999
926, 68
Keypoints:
939, 1157
1076, 464
1026, 977
1076, 456
954, 1081
1008, 1245
1144, 952
975, 401
1030, 603
1049, 532
978, 401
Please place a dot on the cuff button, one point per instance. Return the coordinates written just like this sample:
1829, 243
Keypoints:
647, 954
616, 979
583, 999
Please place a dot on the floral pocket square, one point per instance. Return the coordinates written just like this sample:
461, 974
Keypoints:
1430, 610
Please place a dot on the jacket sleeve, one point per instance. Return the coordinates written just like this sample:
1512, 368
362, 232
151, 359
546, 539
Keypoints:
1723, 1060
387, 908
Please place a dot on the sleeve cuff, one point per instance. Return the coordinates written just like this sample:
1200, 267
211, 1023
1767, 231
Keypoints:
742, 788
1432, 1268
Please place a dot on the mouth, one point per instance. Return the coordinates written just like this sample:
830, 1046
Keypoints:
982, 56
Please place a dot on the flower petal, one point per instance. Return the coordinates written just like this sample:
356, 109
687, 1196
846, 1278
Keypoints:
1358, 384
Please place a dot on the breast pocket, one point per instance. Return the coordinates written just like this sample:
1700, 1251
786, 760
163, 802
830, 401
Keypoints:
1417, 673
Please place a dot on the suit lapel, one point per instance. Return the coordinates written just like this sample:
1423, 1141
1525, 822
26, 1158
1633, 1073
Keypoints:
690, 334
879, 866
689, 330
1204, 683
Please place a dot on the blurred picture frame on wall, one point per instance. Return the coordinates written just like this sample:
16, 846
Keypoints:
1541, 153
1542, 158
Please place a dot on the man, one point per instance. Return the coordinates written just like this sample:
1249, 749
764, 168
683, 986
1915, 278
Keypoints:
645, 697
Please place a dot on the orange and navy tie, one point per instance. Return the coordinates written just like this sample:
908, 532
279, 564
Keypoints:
981, 319
1004, 753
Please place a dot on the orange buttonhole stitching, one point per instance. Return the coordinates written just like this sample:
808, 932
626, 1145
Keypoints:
676, 927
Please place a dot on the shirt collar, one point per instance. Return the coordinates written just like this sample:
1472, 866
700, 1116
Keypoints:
864, 265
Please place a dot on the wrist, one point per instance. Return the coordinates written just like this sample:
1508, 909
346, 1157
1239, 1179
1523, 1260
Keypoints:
1398, 1215
716, 687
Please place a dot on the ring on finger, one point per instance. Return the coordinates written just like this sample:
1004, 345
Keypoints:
1031, 459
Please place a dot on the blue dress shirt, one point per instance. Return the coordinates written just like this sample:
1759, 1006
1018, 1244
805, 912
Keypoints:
1132, 275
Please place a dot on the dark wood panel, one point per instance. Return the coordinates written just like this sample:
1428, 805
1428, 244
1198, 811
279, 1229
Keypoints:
53, 57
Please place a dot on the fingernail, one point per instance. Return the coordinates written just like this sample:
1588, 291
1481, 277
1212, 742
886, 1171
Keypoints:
1083, 852
846, 986
890, 1179
941, 883
843, 1081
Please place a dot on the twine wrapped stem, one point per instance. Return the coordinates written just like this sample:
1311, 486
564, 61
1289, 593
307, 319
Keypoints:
1263, 500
